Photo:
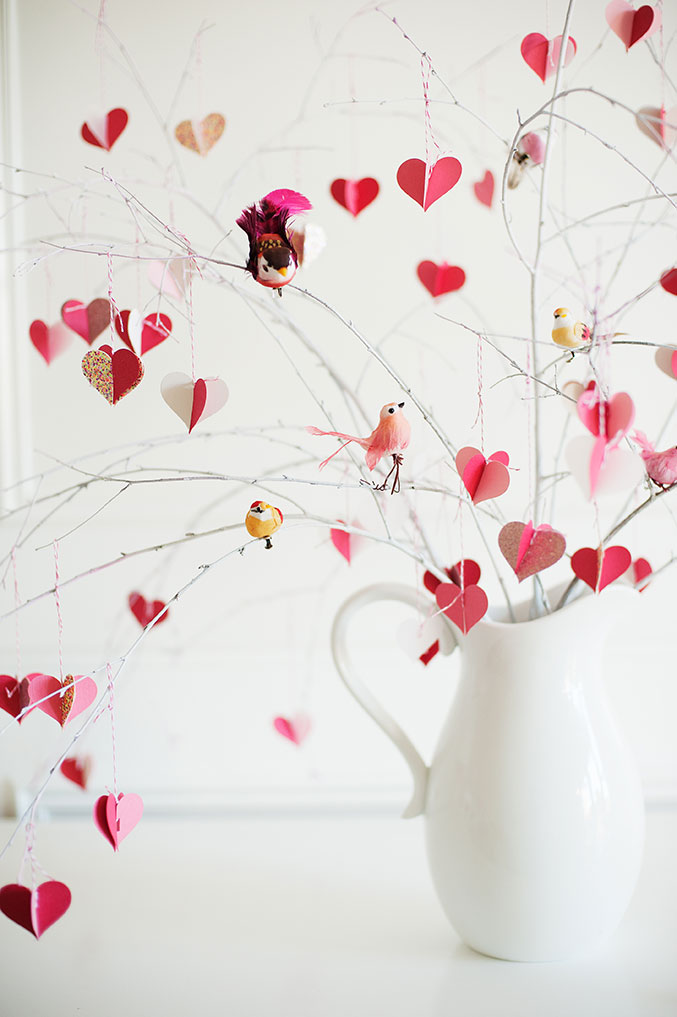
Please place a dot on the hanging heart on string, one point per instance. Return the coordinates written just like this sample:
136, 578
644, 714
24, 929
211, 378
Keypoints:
38, 910
113, 375
601, 469
200, 135
639, 570
354, 195
464, 573
345, 543
529, 549
49, 340
295, 729
608, 418
484, 189
631, 25
417, 637
105, 130
597, 568
445, 174
542, 54
666, 359
117, 817
142, 334
483, 478
145, 610
463, 607
658, 124
14, 695
193, 402
669, 281
88, 320
76, 770
170, 277
440, 279
66, 700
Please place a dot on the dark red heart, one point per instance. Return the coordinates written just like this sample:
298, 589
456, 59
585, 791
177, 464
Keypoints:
431, 652
14, 695
145, 610
440, 279
354, 195
464, 573
669, 281
598, 569
76, 770
38, 910
154, 330
115, 123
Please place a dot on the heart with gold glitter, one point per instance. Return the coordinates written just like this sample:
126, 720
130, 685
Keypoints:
112, 374
200, 135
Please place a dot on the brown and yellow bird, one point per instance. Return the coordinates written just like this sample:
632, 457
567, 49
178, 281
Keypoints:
568, 332
262, 521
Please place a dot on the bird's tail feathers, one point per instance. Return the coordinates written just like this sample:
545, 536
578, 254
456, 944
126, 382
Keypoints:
641, 439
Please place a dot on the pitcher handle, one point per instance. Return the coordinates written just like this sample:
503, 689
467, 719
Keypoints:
380, 591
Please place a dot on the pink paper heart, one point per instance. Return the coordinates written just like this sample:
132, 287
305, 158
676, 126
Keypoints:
598, 569
601, 469
354, 195
38, 910
412, 178
49, 340
483, 478
117, 817
105, 131
342, 541
542, 55
295, 729
145, 610
658, 124
609, 419
142, 334
75, 694
639, 571
76, 770
193, 402
484, 189
88, 320
666, 359
528, 549
631, 25
463, 607
440, 279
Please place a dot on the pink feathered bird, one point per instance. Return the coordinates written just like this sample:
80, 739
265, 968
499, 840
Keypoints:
390, 437
272, 259
660, 466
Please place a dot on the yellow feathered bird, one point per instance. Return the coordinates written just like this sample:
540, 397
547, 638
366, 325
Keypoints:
263, 521
567, 332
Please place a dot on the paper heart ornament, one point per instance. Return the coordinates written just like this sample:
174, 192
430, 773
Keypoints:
573, 390
483, 478
66, 699
170, 277
104, 131
38, 910
666, 359
600, 469
354, 195
598, 568
76, 770
49, 340
542, 54
345, 543
640, 570
200, 135
424, 186
145, 610
658, 124
117, 817
113, 375
484, 189
463, 607
14, 695
440, 279
529, 549
669, 281
631, 25
464, 573
88, 320
193, 402
610, 418
295, 729
142, 334
418, 637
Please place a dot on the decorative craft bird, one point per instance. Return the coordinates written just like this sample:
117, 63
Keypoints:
568, 332
660, 466
263, 521
530, 151
272, 259
389, 437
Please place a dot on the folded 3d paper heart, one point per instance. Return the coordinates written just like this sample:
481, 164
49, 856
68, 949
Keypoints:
529, 549
104, 131
200, 135
354, 195
440, 279
62, 700
49, 340
36, 910
142, 334
87, 320
193, 401
542, 54
464, 607
113, 375
117, 817
426, 185
483, 478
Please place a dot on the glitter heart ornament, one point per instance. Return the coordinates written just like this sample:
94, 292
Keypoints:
483, 478
49, 340
354, 195
542, 54
632, 25
427, 187
117, 817
87, 320
35, 911
598, 567
67, 698
113, 375
193, 402
529, 549
200, 135
440, 279
104, 131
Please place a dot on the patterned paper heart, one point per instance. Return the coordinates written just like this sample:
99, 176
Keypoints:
113, 375
658, 124
463, 607
295, 729
200, 135
88, 320
484, 189
631, 25
354, 195
666, 359
193, 402
608, 418
142, 334
598, 569
49, 340
528, 549
426, 188
464, 573
66, 699
483, 478
440, 279
669, 281
104, 131
76, 770
117, 817
542, 54
38, 910
145, 610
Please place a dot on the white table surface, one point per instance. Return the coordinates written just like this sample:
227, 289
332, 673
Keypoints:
304, 917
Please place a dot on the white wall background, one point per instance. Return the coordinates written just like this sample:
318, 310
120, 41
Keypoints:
195, 704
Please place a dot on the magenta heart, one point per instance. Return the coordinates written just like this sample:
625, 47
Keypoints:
440, 279
76, 770
631, 25
542, 55
609, 419
341, 541
105, 133
117, 817
354, 195
66, 700
528, 549
598, 569
412, 176
145, 610
483, 478
38, 910
295, 730
484, 189
49, 340
88, 320
463, 607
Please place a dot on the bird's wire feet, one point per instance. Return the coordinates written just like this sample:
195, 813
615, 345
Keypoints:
397, 462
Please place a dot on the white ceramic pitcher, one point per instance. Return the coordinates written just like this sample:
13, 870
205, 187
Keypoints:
532, 802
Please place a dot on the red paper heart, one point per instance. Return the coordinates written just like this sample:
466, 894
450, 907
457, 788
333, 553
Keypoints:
117, 817
113, 375
484, 189
341, 541
483, 478
528, 549
611, 418
430, 653
38, 910
598, 569
640, 570
76, 770
154, 329
354, 195
631, 25
49, 340
440, 279
145, 610
66, 699
192, 401
10, 698
295, 729
88, 320
542, 54
105, 134
463, 607
445, 174
669, 281
464, 573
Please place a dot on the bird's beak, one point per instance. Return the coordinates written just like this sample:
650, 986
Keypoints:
400, 405
282, 271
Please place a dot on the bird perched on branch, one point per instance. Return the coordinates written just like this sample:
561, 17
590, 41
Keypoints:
568, 332
660, 466
389, 437
272, 259
263, 521
529, 151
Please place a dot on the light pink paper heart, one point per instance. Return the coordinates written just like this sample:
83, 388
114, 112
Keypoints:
666, 359
170, 276
66, 700
609, 419
193, 402
658, 124
38, 910
426, 188
483, 478
49, 340
631, 25
484, 189
294, 729
463, 607
440, 279
528, 549
601, 470
542, 54
597, 568
117, 817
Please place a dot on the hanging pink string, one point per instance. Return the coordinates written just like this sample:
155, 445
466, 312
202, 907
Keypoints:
57, 602
111, 710
192, 266
426, 71
100, 23
114, 309
527, 387
17, 600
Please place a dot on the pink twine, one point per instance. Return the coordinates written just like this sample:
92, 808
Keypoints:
111, 709
426, 71
527, 387
57, 602
100, 22
17, 641
192, 259
114, 309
